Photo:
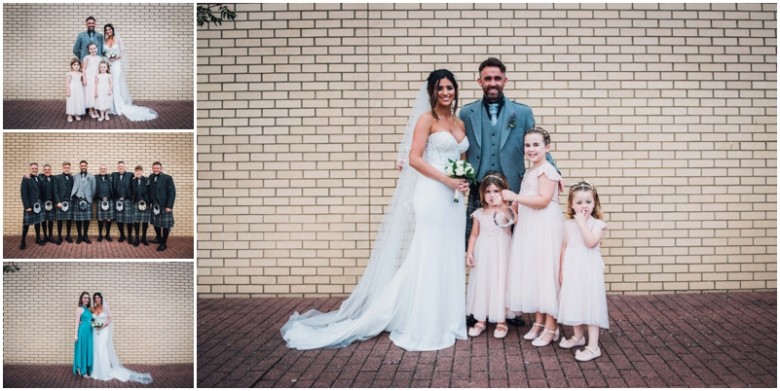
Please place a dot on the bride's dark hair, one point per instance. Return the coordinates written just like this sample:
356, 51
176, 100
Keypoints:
90, 299
113, 30
96, 295
433, 86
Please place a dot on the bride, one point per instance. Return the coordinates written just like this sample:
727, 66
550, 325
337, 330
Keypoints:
122, 103
106, 365
414, 284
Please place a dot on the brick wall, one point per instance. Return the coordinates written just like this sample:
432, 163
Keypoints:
38, 46
669, 109
151, 305
173, 150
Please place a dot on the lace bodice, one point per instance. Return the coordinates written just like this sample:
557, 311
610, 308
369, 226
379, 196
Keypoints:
442, 146
102, 317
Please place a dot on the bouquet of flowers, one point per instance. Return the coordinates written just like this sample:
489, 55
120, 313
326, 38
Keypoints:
109, 54
460, 169
96, 323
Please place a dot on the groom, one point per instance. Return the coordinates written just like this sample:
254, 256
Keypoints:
81, 47
496, 129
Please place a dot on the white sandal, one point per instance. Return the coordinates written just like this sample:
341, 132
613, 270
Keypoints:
477, 329
539, 342
572, 343
531, 335
587, 354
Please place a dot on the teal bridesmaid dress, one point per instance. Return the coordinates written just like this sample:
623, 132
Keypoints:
82, 352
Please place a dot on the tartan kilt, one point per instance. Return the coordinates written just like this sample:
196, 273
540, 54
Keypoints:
61, 215
127, 214
163, 220
50, 215
32, 218
78, 214
141, 216
103, 215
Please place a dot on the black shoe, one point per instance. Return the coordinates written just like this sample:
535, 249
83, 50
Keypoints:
121, 238
136, 243
22, 246
155, 240
162, 247
40, 242
86, 240
470, 321
108, 239
78, 240
144, 242
59, 241
100, 238
516, 321
130, 241
51, 239
68, 239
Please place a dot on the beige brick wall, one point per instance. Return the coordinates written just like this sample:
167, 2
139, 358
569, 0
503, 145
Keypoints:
174, 150
38, 46
670, 109
151, 305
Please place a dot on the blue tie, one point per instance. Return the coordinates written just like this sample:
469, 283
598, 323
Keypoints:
493, 111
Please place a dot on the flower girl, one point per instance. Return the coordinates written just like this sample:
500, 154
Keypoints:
103, 91
583, 298
74, 92
89, 68
536, 244
488, 255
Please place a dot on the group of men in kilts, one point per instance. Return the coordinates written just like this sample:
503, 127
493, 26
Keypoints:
133, 201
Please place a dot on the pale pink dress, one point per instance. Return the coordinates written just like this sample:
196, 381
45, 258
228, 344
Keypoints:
486, 294
90, 72
583, 296
74, 104
534, 260
104, 99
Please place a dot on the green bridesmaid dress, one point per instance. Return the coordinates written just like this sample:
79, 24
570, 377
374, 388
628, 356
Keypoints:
82, 352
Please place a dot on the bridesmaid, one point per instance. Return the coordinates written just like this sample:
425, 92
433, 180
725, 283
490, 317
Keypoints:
82, 352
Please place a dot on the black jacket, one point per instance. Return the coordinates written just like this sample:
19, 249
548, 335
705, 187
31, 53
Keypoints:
162, 190
140, 190
62, 188
121, 188
32, 191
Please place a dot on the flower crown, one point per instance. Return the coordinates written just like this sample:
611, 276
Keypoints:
582, 185
501, 180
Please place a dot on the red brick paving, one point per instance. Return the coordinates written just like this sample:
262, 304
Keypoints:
684, 340
61, 376
50, 114
179, 247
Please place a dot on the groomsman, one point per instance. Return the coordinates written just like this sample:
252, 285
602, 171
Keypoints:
162, 192
32, 189
49, 210
140, 205
63, 185
104, 195
83, 193
121, 189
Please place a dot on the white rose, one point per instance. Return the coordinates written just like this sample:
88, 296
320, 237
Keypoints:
448, 170
460, 171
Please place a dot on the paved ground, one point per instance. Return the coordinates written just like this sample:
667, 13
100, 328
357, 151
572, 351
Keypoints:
50, 114
179, 247
686, 340
61, 376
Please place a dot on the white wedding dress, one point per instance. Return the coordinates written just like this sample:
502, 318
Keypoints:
106, 364
122, 101
414, 284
